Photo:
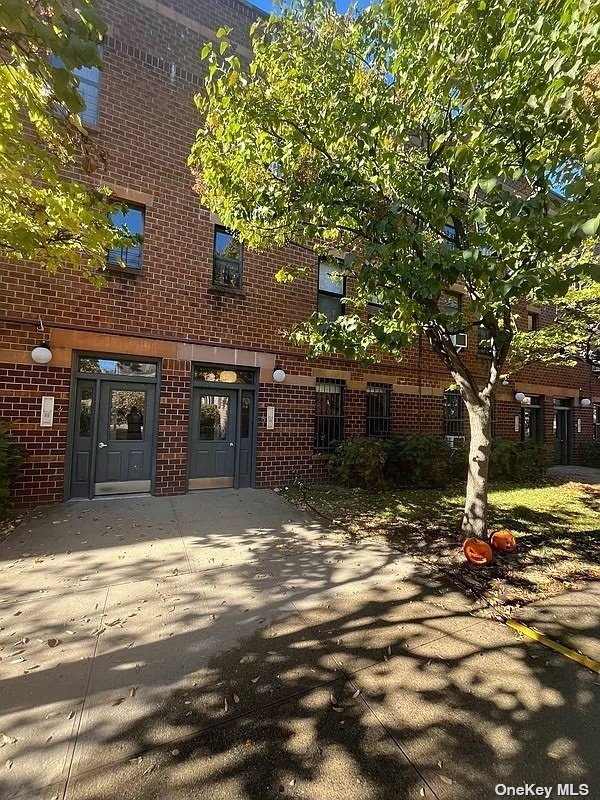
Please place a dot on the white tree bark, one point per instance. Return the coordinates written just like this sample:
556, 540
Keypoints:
474, 522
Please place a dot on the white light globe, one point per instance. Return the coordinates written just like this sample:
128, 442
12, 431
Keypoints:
41, 354
585, 402
278, 375
519, 397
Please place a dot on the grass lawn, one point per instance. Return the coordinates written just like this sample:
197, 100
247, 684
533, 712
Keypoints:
557, 527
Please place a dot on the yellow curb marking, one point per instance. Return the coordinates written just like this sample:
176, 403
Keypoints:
565, 651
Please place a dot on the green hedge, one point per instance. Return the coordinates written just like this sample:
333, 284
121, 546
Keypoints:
425, 461
589, 455
518, 461
12, 456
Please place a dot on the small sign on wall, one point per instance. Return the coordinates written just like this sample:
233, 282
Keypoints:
517, 423
47, 412
270, 418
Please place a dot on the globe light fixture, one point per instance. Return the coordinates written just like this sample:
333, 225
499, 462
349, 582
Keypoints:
41, 354
519, 397
585, 402
278, 375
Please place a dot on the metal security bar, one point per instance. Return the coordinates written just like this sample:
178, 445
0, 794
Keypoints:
453, 413
379, 402
329, 413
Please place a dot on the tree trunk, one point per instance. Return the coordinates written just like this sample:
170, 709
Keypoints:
474, 522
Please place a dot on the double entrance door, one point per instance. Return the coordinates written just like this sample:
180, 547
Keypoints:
113, 435
221, 438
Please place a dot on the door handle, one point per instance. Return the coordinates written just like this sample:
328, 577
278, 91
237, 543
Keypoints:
101, 444
231, 444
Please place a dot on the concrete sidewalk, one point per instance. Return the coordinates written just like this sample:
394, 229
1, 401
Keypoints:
572, 618
223, 645
589, 475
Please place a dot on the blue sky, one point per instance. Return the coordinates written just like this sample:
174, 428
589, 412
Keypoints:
267, 5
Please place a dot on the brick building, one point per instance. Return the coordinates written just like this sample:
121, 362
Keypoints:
163, 380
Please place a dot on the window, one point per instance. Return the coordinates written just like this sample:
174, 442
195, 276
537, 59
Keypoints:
484, 341
375, 304
379, 402
451, 303
227, 262
332, 288
531, 418
450, 232
329, 418
453, 410
132, 219
88, 89
533, 322
597, 422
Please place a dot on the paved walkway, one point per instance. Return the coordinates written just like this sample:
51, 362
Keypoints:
222, 646
572, 618
579, 474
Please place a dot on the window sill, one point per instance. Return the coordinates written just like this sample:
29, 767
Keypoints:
127, 272
227, 290
321, 456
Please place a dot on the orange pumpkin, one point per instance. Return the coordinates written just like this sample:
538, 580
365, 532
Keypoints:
477, 552
504, 541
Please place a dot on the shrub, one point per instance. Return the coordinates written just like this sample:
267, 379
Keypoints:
420, 460
11, 457
590, 454
518, 461
360, 461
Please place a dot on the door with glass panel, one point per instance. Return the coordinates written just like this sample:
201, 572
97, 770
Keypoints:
83, 432
113, 426
125, 436
213, 439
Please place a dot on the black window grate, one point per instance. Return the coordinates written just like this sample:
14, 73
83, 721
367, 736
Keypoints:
379, 403
453, 413
329, 413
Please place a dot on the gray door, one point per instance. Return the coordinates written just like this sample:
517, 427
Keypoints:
562, 438
213, 438
83, 434
125, 436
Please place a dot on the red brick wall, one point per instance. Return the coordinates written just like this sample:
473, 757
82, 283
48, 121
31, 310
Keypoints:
147, 123
22, 388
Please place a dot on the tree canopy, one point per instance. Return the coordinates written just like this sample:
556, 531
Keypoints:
45, 214
425, 139
573, 336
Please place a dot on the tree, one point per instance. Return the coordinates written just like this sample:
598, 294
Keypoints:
45, 215
423, 139
572, 338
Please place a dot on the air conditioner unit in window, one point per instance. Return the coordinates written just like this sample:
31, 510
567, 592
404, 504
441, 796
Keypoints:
455, 442
595, 367
460, 340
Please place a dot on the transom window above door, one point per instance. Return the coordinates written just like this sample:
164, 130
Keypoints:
211, 374
113, 366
